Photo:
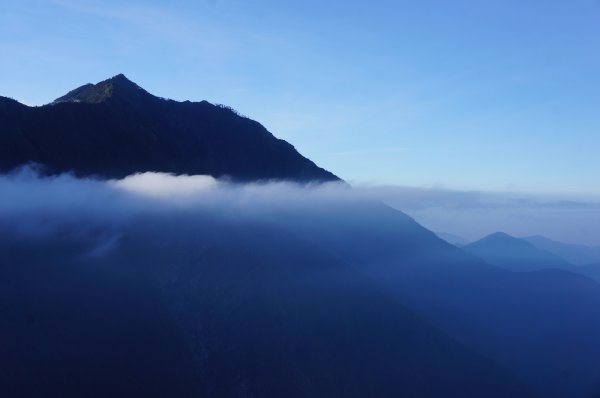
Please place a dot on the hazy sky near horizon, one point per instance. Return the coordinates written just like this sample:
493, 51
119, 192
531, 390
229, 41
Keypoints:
499, 95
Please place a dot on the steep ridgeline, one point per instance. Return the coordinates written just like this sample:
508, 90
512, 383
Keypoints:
591, 270
453, 239
115, 128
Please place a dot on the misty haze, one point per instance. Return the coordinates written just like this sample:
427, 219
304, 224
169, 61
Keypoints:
299, 199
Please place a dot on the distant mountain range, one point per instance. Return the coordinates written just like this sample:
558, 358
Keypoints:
526, 254
115, 128
514, 254
548, 253
575, 254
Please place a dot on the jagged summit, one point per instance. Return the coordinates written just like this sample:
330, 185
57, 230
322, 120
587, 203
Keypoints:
116, 86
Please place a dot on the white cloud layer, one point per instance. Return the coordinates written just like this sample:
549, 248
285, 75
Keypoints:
35, 203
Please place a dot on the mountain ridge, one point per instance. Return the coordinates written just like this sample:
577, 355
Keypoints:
573, 253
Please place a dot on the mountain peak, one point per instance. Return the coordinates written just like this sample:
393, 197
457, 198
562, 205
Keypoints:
500, 236
516, 254
121, 77
115, 128
120, 81
503, 239
118, 86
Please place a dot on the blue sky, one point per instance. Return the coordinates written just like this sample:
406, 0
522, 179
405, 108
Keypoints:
470, 95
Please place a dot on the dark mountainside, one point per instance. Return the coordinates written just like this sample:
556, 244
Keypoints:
575, 254
515, 254
198, 306
115, 128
